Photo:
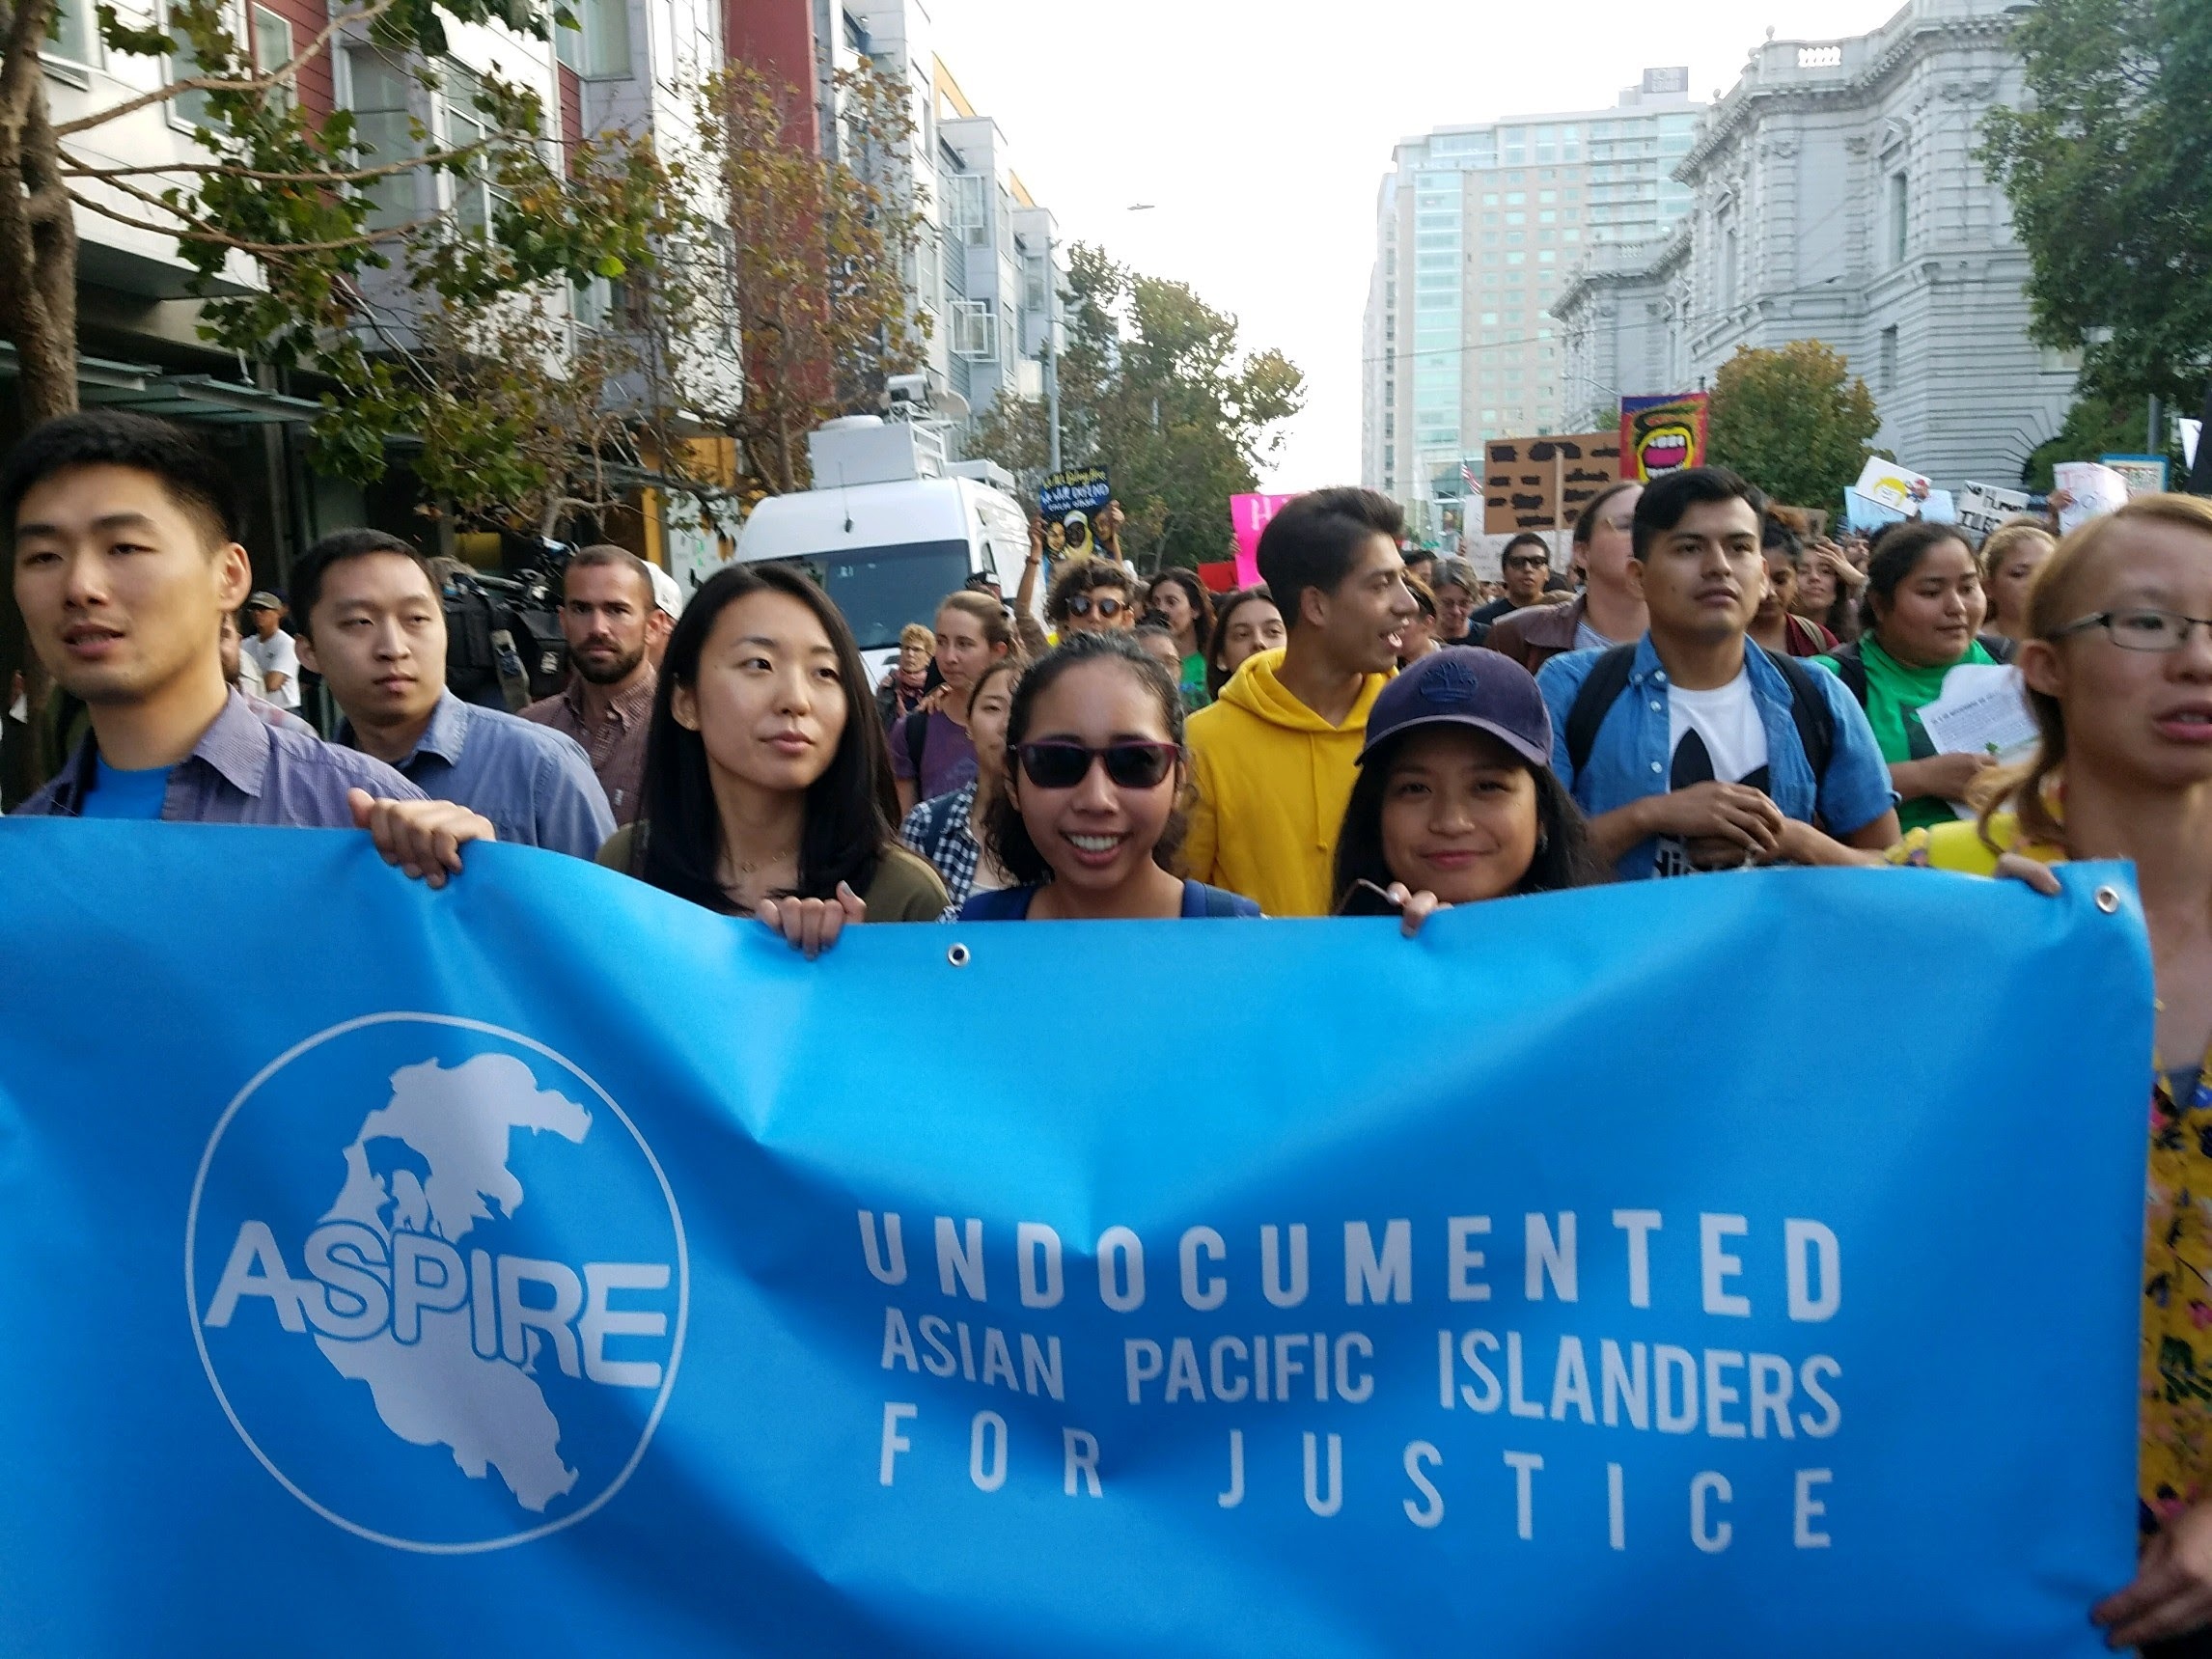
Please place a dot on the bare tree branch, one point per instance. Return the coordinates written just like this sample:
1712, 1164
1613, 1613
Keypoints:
76, 169
196, 231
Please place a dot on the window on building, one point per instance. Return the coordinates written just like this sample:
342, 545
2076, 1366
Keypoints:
272, 49
974, 330
188, 109
1730, 248
1901, 222
475, 199
967, 207
1886, 370
384, 131
599, 46
69, 31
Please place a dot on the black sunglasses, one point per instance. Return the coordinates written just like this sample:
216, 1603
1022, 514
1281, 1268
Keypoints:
1128, 766
1082, 605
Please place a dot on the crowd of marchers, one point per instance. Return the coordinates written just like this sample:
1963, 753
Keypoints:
1367, 732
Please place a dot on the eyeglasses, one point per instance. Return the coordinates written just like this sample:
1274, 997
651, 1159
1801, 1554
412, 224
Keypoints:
1128, 766
2141, 630
1533, 562
1082, 605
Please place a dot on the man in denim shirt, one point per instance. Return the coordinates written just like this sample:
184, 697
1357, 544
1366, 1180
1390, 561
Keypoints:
372, 623
1700, 762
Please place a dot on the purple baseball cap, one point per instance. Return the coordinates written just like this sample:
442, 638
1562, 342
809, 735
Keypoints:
1466, 686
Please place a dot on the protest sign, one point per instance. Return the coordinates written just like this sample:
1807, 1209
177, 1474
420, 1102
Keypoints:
2144, 475
1864, 515
1248, 516
555, 1266
2096, 490
1662, 435
1982, 508
1894, 486
1543, 482
1068, 502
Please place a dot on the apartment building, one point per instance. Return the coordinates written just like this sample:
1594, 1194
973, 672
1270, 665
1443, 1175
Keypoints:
1476, 229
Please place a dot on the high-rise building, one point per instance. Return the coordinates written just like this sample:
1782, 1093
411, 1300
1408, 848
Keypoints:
1474, 229
1837, 197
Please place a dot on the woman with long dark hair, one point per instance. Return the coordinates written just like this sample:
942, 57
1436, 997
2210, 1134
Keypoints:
767, 791
1245, 624
1179, 600
1457, 801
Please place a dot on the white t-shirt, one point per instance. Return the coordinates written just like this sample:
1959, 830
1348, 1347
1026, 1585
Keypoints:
273, 655
1712, 736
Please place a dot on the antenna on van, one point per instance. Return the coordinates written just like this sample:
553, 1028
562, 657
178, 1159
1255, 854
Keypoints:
843, 500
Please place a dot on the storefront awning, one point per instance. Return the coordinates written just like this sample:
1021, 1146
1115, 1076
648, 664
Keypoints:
153, 390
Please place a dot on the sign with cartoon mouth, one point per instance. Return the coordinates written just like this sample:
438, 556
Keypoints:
1662, 435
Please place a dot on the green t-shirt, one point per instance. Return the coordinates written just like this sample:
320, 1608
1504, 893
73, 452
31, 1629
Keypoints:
1193, 688
1895, 696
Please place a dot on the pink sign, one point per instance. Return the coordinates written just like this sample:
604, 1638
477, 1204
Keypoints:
1249, 515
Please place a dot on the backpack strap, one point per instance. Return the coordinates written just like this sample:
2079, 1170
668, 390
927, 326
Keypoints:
1816, 721
1218, 903
2000, 649
915, 732
1851, 670
1607, 680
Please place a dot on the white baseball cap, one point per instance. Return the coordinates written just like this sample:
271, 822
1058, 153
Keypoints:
666, 594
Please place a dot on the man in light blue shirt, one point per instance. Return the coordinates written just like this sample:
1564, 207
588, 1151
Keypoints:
373, 625
1693, 749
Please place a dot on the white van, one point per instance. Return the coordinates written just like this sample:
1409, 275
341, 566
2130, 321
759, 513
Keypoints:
889, 527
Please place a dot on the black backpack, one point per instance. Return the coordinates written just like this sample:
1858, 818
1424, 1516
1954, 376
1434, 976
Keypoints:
1609, 678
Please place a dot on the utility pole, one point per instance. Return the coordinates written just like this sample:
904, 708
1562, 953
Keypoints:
1052, 350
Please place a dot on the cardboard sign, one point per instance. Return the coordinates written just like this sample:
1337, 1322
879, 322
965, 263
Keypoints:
1662, 435
1983, 507
1544, 483
1894, 486
2145, 475
1068, 503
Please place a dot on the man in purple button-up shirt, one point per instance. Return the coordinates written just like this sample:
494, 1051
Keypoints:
124, 567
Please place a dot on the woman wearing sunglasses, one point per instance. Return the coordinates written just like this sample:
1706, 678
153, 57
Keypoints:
2118, 655
1457, 801
1090, 596
1089, 820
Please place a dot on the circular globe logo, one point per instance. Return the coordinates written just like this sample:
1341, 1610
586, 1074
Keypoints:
438, 1282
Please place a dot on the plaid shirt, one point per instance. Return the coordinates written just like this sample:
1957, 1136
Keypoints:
938, 829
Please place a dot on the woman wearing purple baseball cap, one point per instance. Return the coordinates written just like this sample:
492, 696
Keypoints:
1457, 801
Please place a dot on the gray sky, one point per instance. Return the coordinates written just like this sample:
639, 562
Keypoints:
1260, 132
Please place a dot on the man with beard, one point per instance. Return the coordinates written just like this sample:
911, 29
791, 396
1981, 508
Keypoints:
607, 613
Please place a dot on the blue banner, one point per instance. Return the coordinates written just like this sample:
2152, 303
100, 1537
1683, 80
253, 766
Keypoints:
1744, 1265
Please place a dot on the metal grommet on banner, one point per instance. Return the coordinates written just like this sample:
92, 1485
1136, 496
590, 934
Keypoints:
2107, 900
959, 957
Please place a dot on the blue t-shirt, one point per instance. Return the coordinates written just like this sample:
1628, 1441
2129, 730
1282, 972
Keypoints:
118, 794
1011, 903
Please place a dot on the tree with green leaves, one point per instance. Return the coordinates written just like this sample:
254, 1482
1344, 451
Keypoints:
345, 279
2109, 169
818, 247
1156, 386
1793, 419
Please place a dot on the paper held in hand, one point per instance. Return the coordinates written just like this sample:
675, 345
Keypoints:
1983, 711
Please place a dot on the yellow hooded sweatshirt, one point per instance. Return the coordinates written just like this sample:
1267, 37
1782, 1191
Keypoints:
1272, 779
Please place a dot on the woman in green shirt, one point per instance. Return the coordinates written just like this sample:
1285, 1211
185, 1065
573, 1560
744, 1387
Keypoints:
1181, 600
1921, 613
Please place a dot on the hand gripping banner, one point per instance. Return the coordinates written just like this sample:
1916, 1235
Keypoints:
1740, 1266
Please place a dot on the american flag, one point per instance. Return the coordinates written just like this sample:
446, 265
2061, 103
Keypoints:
1467, 474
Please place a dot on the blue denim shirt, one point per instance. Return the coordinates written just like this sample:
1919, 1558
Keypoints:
1628, 757
244, 770
535, 784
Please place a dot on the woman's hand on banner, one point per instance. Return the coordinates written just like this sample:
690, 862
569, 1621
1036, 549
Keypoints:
2029, 872
812, 925
2172, 1591
421, 838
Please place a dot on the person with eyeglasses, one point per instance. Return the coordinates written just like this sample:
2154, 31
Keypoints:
1919, 619
1457, 591
2117, 654
1090, 596
1608, 612
1088, 823
1526, 564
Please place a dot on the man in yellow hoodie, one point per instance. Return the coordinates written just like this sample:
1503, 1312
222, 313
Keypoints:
1273, 757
